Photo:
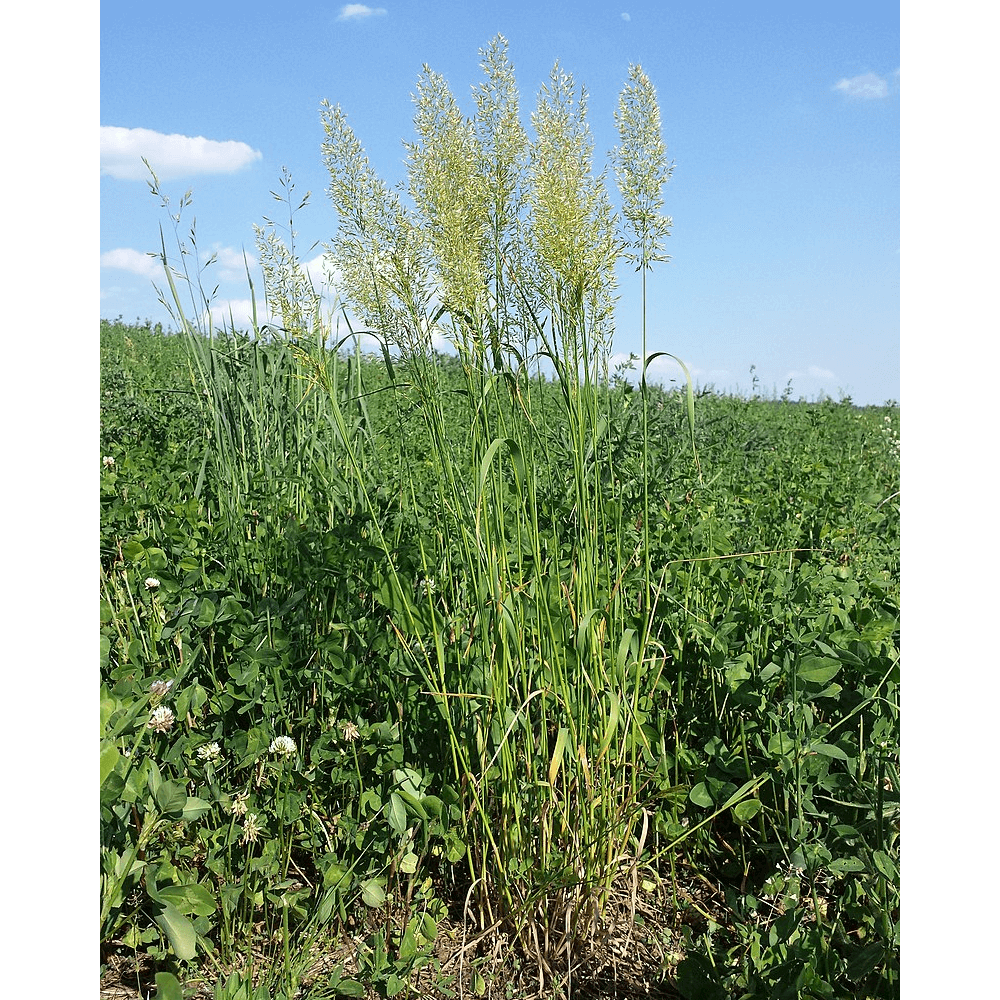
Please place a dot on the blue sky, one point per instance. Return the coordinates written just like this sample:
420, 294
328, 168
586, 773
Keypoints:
782, 119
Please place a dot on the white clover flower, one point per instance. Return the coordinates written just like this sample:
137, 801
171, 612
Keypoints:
109, 462
161, 719
427, 586
210, 751
158, 689
152, 583
283, 746
238, 805
251, 830
350, 731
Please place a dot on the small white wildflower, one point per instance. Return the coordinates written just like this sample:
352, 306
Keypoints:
161, 719
238, 806
427, 586
350, 731
158, 689
210, 751
109, 462
251, 829
283, 746
152, 583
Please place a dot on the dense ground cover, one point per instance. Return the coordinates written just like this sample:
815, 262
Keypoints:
417, 676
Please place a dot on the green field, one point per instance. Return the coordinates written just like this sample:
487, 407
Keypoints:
498, 672
589, 733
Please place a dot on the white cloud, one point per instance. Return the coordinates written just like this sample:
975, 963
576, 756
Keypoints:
171, 156
230, 264
866, 87
324, 277
238, 313
626, 17
357, 11
126, 259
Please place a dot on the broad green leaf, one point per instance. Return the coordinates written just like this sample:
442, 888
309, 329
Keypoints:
168, 987
108, 705
372, 893
427, 928
828, 750
864, 961
112, 788
432, 806
179, 930
156, 559
109, 757
194, 808
818, 669
841, 866
192, 898
831, 691
407, 781
885, 865
349, 988
206, 612
336, 875
170, 798
396, 813
455, 846
133, 551
700, 796
408, 865
746, 810
876, 631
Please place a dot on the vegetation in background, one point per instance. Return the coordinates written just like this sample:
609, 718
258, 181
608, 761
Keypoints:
410, 655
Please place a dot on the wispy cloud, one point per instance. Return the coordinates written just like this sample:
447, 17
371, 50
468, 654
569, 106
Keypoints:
126, 259
232, 263
866, 87
171, 156
626, 17
357, 11
237, 313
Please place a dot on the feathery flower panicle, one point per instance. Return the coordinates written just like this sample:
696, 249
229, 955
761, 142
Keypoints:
642, 168
572, 222
380, 249
448, 188
283, 746
210, 752
161, 720
152, 583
